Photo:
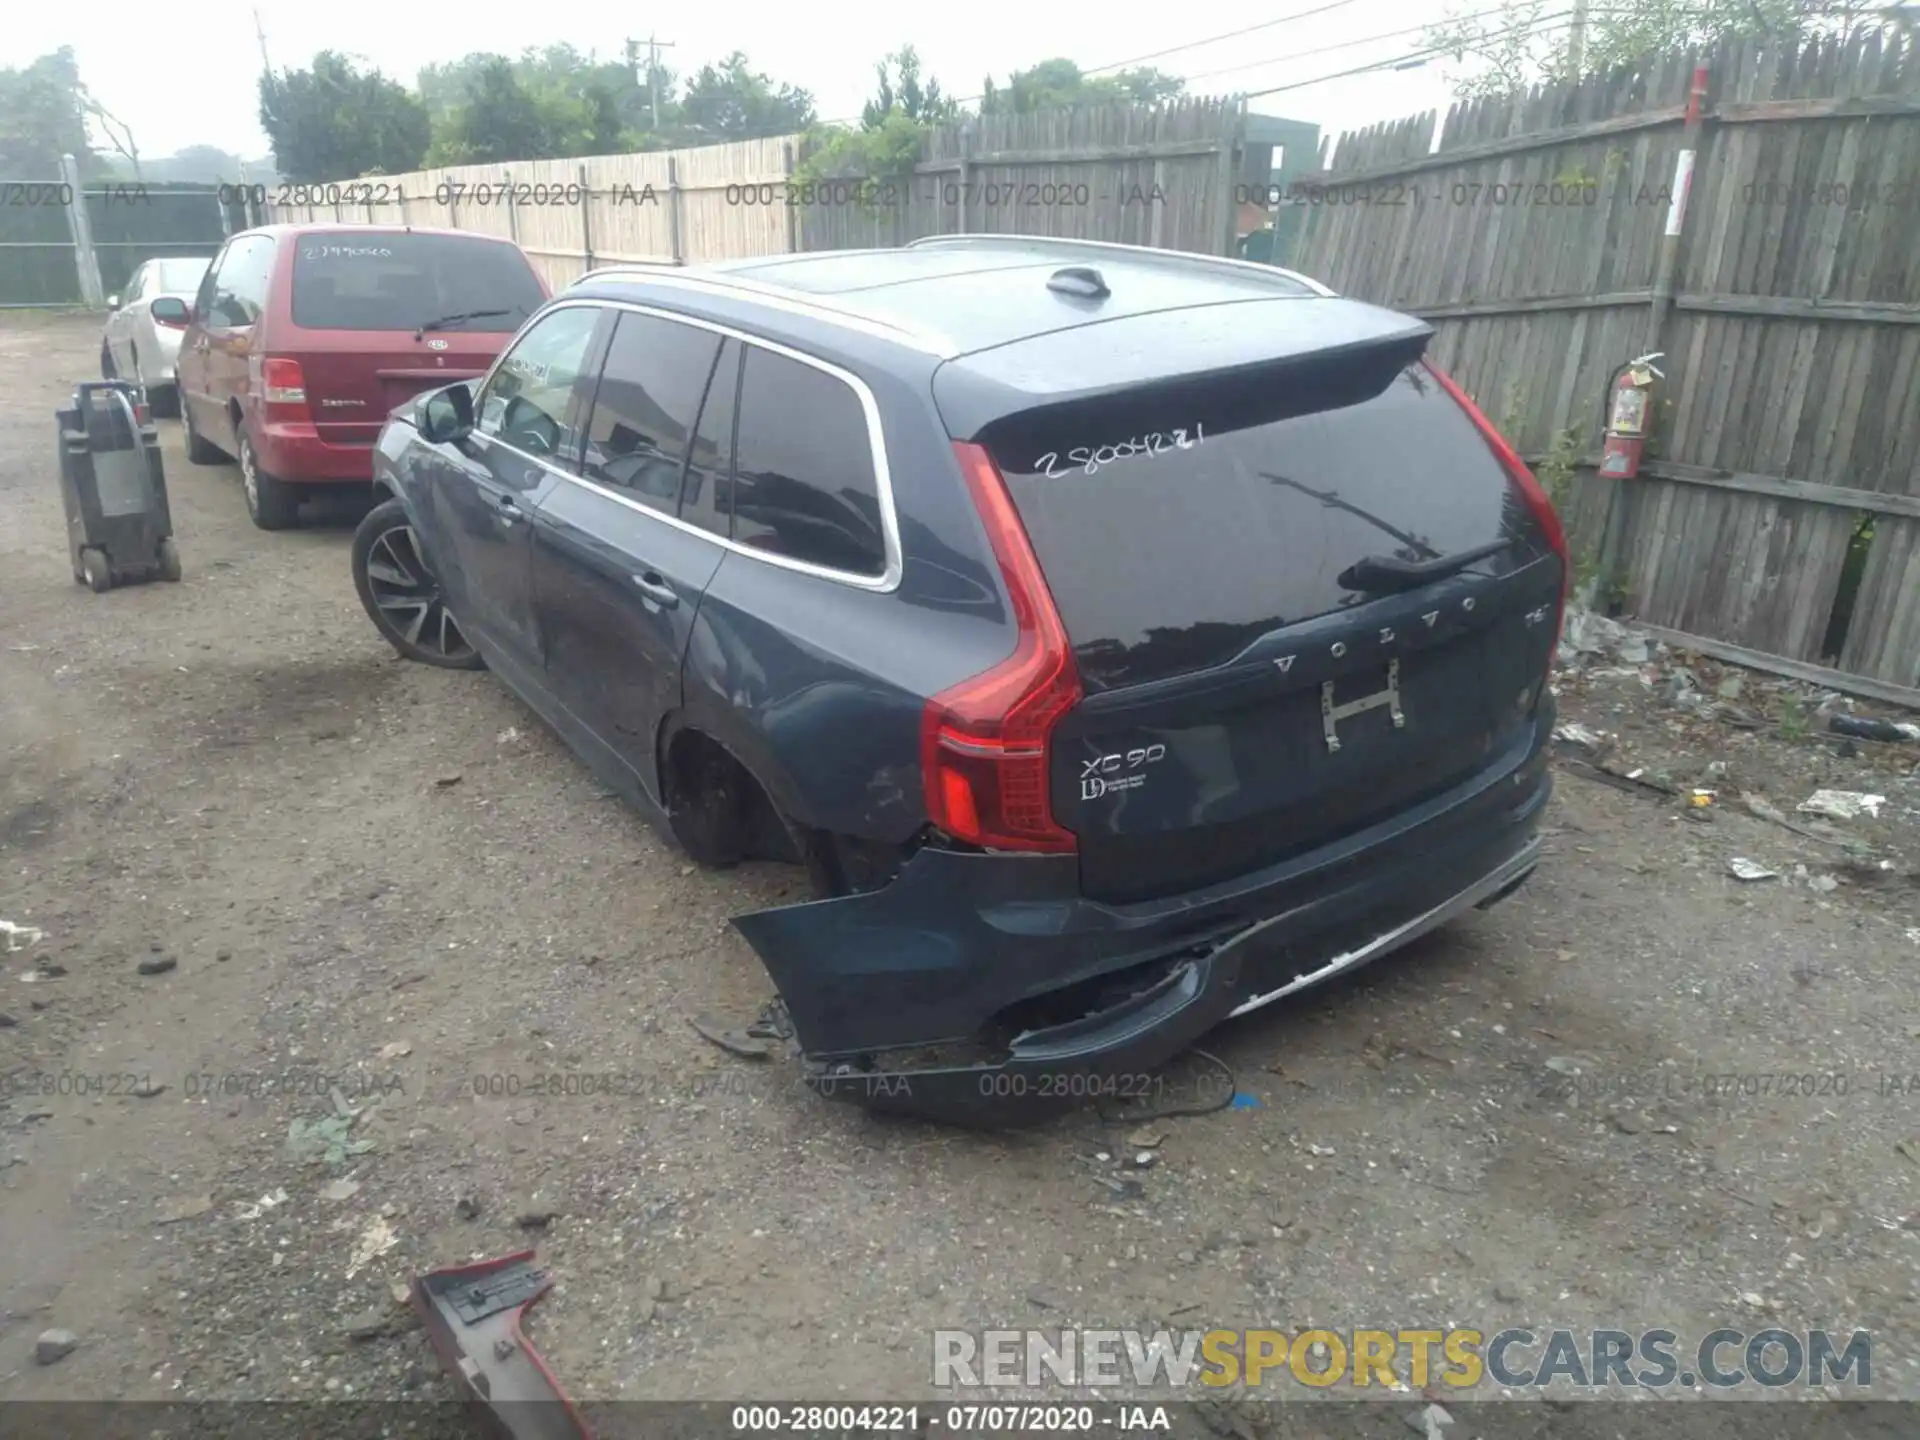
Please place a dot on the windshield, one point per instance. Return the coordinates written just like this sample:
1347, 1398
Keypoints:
347, 280
179, 276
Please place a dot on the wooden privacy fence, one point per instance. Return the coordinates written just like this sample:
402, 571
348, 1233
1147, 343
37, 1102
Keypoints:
1137, 174
661, 207
1132, 174
1787, 302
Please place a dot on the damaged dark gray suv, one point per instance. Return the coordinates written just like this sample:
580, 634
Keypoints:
1122, 639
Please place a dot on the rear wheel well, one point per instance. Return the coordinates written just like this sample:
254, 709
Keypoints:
719, 811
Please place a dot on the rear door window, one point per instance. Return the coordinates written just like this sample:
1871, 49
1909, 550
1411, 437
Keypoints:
646, 407
240, 285
706, 494
379, 280
804, 485
528, 401
203, 296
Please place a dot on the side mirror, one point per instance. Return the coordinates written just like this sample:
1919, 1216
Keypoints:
446, 415
169, 310
113, 302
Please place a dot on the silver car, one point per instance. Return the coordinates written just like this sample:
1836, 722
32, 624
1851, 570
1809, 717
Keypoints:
138, 347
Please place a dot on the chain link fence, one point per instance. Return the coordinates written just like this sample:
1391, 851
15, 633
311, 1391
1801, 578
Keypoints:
65, 243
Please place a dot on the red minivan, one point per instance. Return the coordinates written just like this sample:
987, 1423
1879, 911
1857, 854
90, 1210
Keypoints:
303, 337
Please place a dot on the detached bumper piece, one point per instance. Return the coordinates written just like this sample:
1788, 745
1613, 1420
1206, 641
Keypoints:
987, 990
472, 1316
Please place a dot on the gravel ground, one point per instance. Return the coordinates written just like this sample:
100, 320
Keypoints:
395, 882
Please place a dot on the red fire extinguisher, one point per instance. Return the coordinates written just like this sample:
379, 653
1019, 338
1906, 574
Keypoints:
1629, 415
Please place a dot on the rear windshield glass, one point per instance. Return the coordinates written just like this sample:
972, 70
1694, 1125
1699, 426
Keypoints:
179, 276
349, 281
1195, 538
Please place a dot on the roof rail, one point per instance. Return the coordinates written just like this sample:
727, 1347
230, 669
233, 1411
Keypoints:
1069, 246
778, 297
620, 265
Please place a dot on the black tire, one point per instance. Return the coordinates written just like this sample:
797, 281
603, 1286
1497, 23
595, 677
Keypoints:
401, 595
199, 452
107, 372
99, 574
163, 401
169, 560
707, 806
273, 504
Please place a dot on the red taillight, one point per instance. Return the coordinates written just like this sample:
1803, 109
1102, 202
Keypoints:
1530, 491
166, 324
983, 743
281, 383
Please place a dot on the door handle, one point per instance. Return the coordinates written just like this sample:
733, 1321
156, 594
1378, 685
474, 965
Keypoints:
653, 588
506, 509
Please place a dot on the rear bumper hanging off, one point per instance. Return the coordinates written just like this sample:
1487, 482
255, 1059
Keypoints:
960, 948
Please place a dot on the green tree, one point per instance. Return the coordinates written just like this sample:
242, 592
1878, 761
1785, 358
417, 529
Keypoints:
43, 115
1529, 42
732, 102
1058, 83
901, 92
333, 122
499, 119
598, 104
507, 114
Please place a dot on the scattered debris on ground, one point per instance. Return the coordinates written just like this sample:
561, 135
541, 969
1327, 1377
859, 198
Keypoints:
735, 1042
1841, 804
1643, 717
19, 937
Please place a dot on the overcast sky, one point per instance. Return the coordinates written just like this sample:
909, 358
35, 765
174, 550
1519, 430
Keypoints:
185, 74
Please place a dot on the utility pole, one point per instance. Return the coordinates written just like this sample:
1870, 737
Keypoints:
266, 65
654, 47
1577, 40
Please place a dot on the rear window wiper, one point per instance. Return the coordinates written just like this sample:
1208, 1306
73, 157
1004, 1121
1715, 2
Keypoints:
441, 322
1386, 574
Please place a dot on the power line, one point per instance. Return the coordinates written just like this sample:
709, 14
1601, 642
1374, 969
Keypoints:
1539, 26
1338, 45
1170, 50
1211, 39
1412, 60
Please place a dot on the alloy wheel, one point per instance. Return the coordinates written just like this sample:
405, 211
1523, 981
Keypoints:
409, 597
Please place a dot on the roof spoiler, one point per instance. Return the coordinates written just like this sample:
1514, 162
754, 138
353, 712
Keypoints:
1296, 369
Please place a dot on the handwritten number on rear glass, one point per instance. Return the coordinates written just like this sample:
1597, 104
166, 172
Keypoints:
1087, 460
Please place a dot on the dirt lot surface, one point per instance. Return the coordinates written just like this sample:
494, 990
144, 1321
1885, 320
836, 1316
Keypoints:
1640, 1093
